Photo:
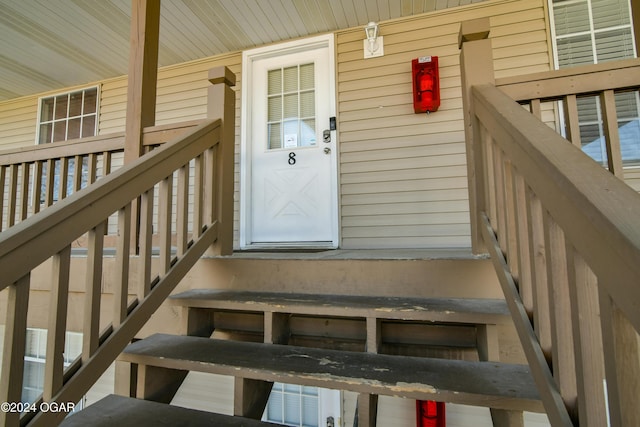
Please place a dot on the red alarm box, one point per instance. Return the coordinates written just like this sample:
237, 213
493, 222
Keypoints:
430, 414
426, 84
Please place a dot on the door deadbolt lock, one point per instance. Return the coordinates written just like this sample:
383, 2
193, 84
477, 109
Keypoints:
326, 136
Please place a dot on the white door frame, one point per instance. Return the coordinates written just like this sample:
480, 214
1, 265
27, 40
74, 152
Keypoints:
248, 59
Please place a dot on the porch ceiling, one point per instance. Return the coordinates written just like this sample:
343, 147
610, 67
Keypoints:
49, 45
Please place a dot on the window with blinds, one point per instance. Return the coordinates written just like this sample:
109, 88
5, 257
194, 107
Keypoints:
291, 107
293, 405
591, 32
34, 360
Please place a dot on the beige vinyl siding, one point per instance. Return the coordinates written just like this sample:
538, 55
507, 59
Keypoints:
403, 176
182, 96
632, 177
18, 122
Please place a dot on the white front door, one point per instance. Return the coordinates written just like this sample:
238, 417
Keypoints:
290, 149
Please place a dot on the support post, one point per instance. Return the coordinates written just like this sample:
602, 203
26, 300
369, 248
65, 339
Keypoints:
476, 66
141, 89
489, 350
221, 104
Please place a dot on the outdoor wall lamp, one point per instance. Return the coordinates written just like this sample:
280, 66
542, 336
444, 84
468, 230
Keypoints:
373, 45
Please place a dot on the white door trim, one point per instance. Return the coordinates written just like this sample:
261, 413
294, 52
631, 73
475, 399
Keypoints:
248, 59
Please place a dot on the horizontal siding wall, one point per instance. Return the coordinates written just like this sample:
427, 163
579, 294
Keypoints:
182, 96
18, 120
403, 176
632, 177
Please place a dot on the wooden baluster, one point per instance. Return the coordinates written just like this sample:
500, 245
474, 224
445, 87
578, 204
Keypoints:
621, 345
198, 202
106, 163
59, 300
587, 335
24, 190
501, 225
182, 209
37, 186
49, 182
13, 194
121, 290
538, 261
92, 168
525, 284
511, 228
571, 120
77, 173
146, 233
15, 331
564, 367
536, 108
611, 134
95, 245
3, 174
164, 223
210, 187
492, 207
64, 178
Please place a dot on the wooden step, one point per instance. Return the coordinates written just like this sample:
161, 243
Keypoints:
128, 412
488, 384
457, 310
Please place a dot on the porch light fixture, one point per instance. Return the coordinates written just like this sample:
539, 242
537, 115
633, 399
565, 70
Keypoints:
373, 45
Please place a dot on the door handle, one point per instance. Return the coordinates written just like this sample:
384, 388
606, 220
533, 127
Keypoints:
326, 136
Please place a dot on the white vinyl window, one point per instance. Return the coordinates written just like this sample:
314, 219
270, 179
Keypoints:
34, 360
68, 115
591, 32
293, 405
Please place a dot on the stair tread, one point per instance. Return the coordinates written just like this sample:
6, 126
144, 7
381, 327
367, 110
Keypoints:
125, 411
490, 384
471, 310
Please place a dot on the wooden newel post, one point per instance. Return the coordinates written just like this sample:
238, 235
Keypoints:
476, 67
221, 104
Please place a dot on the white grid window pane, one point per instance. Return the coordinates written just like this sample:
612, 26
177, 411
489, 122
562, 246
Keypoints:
291, 107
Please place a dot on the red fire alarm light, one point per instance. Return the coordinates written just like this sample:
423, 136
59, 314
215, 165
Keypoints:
430, 414
426, 84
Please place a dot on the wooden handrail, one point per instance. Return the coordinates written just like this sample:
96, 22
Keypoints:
582, 80
28, 244
564, 237
202, 154
32, 171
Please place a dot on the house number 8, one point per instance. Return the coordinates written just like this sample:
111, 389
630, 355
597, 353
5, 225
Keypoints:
292, 158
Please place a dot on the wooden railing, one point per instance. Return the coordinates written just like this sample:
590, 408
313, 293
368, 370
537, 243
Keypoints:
206, 149
568, 85
33, 178
564, 237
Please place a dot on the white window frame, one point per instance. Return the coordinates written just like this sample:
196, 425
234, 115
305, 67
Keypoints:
37, 357
329, 404
592, 32
42, 99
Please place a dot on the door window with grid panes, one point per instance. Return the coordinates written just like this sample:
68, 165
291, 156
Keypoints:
591, 32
